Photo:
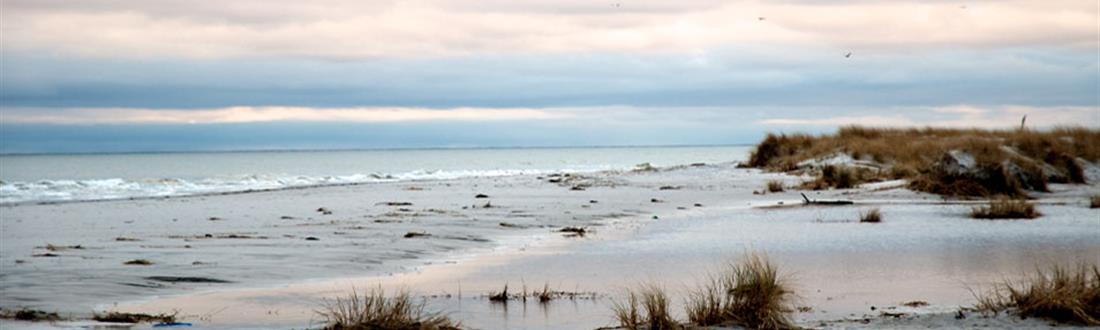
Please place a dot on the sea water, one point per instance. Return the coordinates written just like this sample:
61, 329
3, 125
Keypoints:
80, 177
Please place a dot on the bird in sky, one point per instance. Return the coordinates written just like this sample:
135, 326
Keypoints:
848, 55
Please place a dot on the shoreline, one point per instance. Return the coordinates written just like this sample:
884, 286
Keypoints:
466, 240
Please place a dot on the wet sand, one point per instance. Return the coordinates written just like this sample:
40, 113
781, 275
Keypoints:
924, 250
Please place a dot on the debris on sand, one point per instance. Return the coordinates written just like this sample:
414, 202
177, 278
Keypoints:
413, 234
32, 315
126, 239
56, 248
669, 188
214, 219
593, 201
138, 262
481, 196
915, 303
574, 231
395, 203
698, 205
120, 317
48, 255
185, 279
311, 238
644, 167
577, 188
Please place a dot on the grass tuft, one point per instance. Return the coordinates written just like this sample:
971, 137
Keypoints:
1005, 208
373, 310
871, 216
647, 308
775, 186
1062, 294
749, 294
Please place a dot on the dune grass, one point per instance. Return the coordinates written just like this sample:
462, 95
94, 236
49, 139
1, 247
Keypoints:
1005, 208
750, 294
840, 177
873, 215
1009, 162
1062, 294
647, 308
374, 310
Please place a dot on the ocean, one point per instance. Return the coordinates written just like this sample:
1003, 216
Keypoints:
85, 177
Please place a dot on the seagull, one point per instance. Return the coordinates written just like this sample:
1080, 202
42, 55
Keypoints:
848, 55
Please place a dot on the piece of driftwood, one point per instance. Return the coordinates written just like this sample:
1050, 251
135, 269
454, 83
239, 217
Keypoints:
808, 201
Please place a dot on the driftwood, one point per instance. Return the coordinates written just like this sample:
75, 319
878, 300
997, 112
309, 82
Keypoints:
808, 201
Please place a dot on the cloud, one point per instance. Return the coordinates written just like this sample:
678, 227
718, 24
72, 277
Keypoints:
355, 30
959, 116
237, 115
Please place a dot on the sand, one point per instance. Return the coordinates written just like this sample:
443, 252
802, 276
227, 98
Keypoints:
282, 255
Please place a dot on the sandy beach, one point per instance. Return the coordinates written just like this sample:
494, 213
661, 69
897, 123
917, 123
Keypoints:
270, 259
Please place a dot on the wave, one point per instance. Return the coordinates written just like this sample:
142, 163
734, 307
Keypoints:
116, 188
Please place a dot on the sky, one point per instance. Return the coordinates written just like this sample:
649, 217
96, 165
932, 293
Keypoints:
183, 75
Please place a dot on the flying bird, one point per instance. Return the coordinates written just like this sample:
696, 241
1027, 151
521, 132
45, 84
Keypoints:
848, 55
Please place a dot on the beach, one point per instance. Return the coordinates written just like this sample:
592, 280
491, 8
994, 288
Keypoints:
270, 259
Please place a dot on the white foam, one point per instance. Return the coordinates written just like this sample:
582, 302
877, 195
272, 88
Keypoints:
116, 188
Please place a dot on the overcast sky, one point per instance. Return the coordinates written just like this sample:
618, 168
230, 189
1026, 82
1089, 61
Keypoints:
136, 75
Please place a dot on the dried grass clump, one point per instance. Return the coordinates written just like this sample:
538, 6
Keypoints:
1008, 161
1094, 202
871, 216
645, 309
749, 294
1063, 294
1005, 208
775, 186
373, 310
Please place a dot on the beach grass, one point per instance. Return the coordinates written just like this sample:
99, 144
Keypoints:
646, 308
1006, 162
873, 215
750, 294
374, 310
1005, 208
1062, 294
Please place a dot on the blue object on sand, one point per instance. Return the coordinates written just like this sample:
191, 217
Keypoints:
172, 325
